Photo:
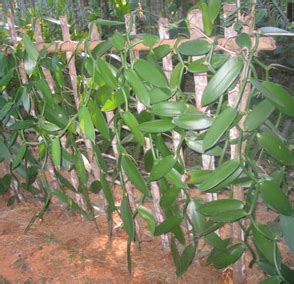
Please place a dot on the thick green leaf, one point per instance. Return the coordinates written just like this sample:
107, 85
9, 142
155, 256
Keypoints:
287, 226
150, 40
56, 152
106, 73
98, 120
20, 155
147, 215
220, 174
117, 40
214, 7
278, 96
23, 124
222, 80
275, 198
223, 258
159, 95
168, 109
219, 126
201, 65
161, 51
4, 151
30, 48
169, 197
229, 216
167, 225
46, 94
258, 115
107, 192
197, 176
80, 167
5, 182
64, 182
134, 175
162, 167
197, 219
186, 259
131, 121
157, 126
244, 40
192, 121
220, 206
197, 146
127, 218
86, 123
176, 77
207, 21
275, 146
56, 115
194, 47
150, 73
174, 177
138, 86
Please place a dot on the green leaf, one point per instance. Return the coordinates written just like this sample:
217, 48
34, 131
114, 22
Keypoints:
161, 51
64, 181
56, 115
275, 198
169, 197
162, 167
56, 152
229, 216
174, 177
244, 40
197, 219
220, 174
220, 206
117, 41
168, 109
207, 21
131, 121
134, 175
107, 192
167, 225
30, 48
86, 123
214, 7
20, 155
158, 95
106, 73
23, 124
46, 94
147, 215
186, 259
223, 258
222, 80
201, 65
258, 115
98, 120
138, 86
148, 160
157, 126
150, 40
5, 110
150, 73
194, 47
197, 146
110, 23
176, 77
192, 121
278, 96
5, 182
80, 167
219, 126
287, 226
275, 147
127, 218
4, 152
197, 176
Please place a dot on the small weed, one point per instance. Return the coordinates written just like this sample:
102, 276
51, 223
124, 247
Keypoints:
21, 265
50, 238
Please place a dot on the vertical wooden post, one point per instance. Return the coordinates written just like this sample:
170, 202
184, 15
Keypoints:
200, 80
155, 191
239, 268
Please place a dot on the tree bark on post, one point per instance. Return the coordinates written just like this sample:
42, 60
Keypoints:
200, 80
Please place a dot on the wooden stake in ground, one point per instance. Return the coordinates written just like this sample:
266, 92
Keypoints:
200, 80
155, 191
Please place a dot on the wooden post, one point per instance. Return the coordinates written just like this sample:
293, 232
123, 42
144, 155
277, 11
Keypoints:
200, 80
155, 191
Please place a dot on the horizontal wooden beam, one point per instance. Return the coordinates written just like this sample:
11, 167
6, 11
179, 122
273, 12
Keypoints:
265, 43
